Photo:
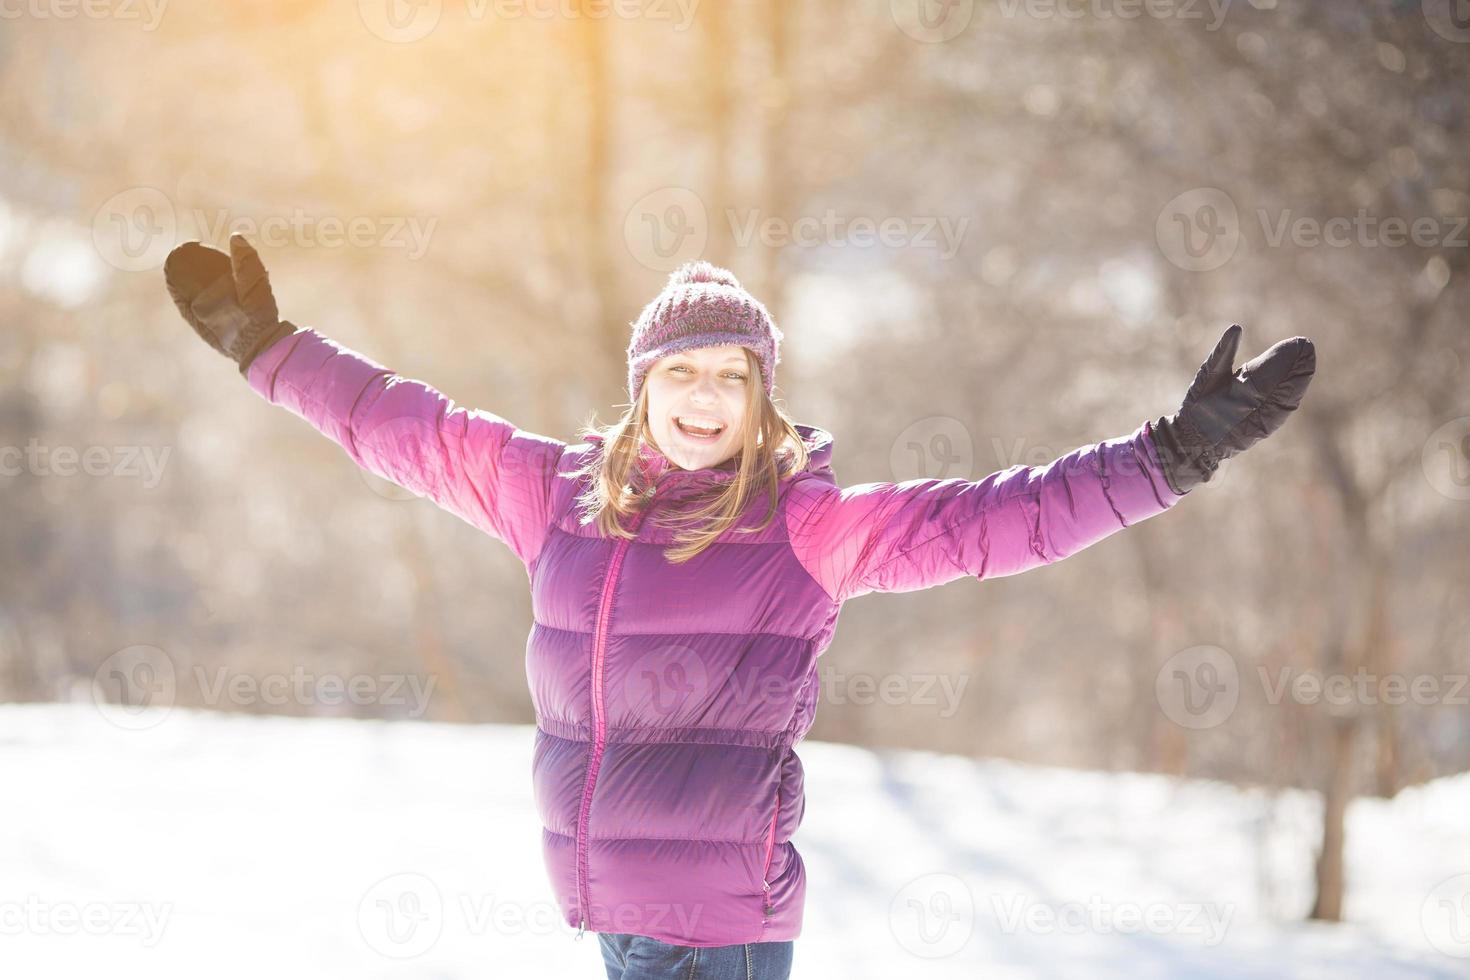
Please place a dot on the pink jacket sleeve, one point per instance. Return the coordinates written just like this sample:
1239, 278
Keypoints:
474, 464
899, 537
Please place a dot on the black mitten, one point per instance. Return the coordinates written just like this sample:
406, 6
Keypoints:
1225, 413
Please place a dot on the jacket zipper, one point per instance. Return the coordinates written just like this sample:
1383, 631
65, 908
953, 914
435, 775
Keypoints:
599, 648
768, 908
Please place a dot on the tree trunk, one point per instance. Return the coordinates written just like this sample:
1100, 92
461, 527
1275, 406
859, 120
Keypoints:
718, 79
1331, 882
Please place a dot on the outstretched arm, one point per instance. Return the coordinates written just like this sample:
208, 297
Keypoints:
899, 537
472, 463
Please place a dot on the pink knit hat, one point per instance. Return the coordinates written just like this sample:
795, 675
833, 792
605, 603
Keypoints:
703, 305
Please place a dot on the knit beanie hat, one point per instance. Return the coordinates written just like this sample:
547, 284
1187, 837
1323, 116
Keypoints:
702, 305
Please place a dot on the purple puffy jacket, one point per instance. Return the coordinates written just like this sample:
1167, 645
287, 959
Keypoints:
669, 698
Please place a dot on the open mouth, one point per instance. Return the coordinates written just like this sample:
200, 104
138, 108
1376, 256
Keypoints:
699, 428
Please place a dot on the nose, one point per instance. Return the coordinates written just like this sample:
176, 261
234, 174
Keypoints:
704, 392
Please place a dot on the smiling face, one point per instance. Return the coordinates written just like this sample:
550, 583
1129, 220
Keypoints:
709, 387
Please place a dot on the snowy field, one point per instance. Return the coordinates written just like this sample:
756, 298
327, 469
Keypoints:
193, 844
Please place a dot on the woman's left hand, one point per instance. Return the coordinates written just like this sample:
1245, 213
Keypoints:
1226, 412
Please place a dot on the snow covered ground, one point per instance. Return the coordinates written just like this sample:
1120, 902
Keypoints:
255, 847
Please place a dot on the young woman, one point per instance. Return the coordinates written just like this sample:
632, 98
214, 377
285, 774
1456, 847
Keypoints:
687, 564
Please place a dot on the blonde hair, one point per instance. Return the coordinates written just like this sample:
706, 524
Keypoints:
772, 450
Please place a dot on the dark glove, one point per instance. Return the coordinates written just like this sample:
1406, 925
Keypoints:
1224, 413
226, 299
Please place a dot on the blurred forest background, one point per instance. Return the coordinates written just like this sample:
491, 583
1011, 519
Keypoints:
991, 232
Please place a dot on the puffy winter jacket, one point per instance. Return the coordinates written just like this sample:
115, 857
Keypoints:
669, 698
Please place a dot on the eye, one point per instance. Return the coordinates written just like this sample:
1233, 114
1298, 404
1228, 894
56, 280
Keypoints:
736, 375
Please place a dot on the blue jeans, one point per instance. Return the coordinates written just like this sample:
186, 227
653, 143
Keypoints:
629, 957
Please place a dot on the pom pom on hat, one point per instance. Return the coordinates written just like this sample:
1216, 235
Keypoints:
702, 271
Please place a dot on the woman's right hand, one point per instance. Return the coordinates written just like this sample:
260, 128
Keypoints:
226, 298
